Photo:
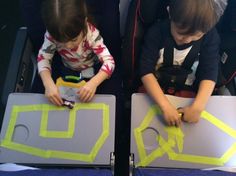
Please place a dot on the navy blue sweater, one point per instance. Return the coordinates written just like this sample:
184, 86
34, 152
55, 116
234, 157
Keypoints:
154, 42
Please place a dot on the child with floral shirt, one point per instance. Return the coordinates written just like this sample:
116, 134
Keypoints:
78, 43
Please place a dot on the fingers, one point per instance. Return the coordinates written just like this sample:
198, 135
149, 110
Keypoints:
55, 99
174, 120
178, 122
172, 123
85, 95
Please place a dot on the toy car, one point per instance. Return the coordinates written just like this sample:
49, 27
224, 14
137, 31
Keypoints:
69, 104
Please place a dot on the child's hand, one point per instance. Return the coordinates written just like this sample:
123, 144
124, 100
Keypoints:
52, 93
87, 92
191, 114
172, 116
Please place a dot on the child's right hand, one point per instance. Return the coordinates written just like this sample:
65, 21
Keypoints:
52, 93
172, 116
87, 92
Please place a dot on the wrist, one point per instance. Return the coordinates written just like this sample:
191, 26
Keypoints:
48, 83
98, 78
198, 107
46, 78
165, 106
93, 82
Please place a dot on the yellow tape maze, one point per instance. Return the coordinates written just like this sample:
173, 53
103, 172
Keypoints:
176, 134
45, 108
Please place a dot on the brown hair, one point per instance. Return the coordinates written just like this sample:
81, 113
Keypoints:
194, 15
64, 19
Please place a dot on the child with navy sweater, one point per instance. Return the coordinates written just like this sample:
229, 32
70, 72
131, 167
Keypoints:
183, 53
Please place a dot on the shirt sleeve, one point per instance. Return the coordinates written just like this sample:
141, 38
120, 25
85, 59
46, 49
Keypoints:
95, 40
209, 57
150, 50
46, 53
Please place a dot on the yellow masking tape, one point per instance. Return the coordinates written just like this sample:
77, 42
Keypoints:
72, 156
176, 136
60, 82
140, 143
44, 132
174, 132
185, 157
138, 131
26, 149
12, 123
229, 153
45, 108
221, 125
105, 133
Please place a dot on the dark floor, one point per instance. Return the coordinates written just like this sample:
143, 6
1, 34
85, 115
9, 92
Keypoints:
10, 21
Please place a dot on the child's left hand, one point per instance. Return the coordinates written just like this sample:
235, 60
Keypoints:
191, 114
87, 92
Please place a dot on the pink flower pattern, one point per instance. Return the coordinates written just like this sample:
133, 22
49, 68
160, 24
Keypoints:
78, 57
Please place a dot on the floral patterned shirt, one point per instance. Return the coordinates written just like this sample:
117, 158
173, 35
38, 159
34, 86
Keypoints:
90, 50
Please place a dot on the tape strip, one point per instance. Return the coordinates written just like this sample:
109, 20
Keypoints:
45, 108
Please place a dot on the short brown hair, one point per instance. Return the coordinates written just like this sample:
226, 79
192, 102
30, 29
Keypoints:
194, 15
64, 19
